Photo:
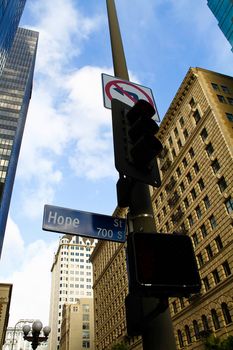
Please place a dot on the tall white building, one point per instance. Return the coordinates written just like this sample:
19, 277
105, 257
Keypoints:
71, 280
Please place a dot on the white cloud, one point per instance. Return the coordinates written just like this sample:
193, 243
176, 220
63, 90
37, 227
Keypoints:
90, 125
31, 277
51, 129
13, 247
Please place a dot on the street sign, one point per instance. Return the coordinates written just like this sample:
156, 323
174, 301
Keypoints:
127, 92
81, 223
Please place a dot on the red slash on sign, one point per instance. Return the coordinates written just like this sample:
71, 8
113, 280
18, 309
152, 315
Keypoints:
126, 92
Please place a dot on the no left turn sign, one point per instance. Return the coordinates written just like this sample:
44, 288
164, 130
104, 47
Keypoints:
126, 92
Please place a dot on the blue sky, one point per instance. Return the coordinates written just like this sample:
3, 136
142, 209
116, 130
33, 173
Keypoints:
67, 154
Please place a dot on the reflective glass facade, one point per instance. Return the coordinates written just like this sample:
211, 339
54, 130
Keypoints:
223, 11
10, 14
15, 93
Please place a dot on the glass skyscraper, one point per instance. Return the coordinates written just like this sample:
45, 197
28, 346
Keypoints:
15, 93
223, 11
10, 14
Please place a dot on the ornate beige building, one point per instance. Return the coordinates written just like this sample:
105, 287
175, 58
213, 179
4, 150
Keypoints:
196, 198
77, 325
5, 301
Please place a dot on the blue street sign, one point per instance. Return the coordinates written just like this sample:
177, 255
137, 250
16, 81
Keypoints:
81, 223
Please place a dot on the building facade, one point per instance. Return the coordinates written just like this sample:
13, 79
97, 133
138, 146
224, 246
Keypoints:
15, 94
223, 11
14, 338
10, 14
5, 300
71, 281
77, 328
195, 199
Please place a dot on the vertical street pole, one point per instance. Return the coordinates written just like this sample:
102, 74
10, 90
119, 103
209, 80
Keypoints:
158, 335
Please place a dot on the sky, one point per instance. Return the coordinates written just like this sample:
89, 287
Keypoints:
66, 156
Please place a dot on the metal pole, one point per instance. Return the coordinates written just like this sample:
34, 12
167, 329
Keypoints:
159, 333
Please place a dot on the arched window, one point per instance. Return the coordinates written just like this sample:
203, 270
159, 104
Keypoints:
226, 313
196, 329
188, 334
215, 319
180, 338
205, 323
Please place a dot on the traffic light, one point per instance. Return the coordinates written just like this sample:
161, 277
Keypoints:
135, 144
161, 264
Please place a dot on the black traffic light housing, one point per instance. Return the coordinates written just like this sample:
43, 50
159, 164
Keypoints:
135, 144
162, 264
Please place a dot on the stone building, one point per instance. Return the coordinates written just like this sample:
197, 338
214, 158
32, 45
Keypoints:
196, 199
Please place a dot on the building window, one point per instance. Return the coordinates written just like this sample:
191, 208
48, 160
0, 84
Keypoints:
173, 153
204, 231
181, 121
181, 299
205, 323
215, 319
174, 307
196, 116
176, 132
215, 86
192, 102
229, 117
201, 184
86, 344
180, 338
193, 194
226, 313
218, 242
164, 211
209, 251
186, 203
161, 196
229, 205
215, 166
206, 202
196, 167
225, 89
226, 268
188, 334
189, 177
185, 163
195, 239
198, 212
221, 98
222, 184
191, 153
216, 276
179, 144
196, 330
186, 134
230, 100
182, 188
190, 220
213, 222
178, 171
200, 260
204, 134
170, 141
206, 283
209, 149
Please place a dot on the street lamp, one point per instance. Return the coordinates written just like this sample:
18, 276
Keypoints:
15, 327
33, 334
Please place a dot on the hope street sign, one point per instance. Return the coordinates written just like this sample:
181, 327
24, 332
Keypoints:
81, 223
